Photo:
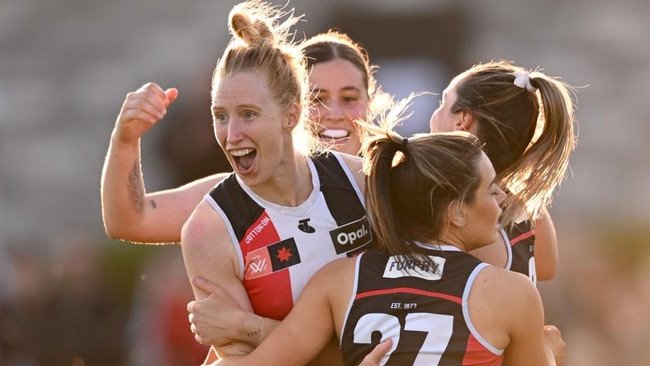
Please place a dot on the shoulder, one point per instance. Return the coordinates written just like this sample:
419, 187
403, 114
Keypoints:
505, 283
505, 289
203, 226
352, 161
206, 244
355, 166
495, 289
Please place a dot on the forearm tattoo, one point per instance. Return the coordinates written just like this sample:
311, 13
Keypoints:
136, 188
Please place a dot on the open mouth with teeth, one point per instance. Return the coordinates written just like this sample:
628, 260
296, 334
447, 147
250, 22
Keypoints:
333, 135
243, 159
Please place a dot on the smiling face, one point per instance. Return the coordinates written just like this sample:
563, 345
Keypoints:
253, 130
340, 97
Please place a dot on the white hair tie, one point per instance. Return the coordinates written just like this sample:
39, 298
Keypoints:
522, 80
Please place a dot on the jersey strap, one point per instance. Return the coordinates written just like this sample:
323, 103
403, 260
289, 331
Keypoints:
340, 195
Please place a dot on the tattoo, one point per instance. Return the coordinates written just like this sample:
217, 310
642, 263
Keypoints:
136, 187
254, 333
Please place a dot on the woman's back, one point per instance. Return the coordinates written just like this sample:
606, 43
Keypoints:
420, 305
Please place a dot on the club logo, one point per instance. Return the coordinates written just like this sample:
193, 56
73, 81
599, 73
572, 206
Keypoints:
304, 226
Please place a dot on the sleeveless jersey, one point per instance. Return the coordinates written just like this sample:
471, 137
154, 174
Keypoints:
279, 248
421, 306
519, 239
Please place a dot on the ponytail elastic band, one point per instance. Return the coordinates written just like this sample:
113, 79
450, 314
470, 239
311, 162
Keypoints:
404, 142
522, 80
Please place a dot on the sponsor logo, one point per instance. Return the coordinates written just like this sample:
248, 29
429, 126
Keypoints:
257, 229
273, 258
351, 236
304, 226
400, 266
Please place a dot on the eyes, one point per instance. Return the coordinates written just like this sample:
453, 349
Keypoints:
496, 192
222, 117
322, 99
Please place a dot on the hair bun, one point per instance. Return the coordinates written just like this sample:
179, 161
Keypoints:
250, 31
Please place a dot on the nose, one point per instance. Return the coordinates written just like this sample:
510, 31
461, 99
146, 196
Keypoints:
501, 196
234, 131
333, 111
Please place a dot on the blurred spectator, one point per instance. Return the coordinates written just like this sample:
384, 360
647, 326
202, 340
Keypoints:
159, 331
23, 309
60, 308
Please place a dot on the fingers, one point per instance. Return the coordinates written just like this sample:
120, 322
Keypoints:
172, 94
374, 357
206, 285
148, 103
554, 342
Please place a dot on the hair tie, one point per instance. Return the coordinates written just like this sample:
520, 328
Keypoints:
403, 146
522, 80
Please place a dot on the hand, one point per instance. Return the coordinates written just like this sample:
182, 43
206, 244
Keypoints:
554, 343
219, 321
141, 110
373, 358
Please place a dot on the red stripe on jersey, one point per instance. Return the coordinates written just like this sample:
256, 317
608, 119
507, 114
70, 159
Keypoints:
477, 355
521, 237
260, 234
271, 295
409, 290
269, 292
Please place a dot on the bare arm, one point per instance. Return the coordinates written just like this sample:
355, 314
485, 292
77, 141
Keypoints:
208, 252
546, 248
311, 323
220, 321
525, 324
130, 213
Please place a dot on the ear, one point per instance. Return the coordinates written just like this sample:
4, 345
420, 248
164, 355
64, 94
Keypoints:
456, 213
292, 117
466, 121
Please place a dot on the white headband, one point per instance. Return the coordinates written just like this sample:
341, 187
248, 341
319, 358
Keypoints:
522, 80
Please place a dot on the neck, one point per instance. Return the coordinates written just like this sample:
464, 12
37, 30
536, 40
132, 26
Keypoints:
451, 240
290, 185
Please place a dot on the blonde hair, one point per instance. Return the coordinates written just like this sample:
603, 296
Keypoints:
528, 132
262, 41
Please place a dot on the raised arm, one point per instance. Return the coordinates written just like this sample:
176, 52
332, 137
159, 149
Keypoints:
546, 249
130, 213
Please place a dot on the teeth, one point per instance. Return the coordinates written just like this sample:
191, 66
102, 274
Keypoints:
240, 152
334, 134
